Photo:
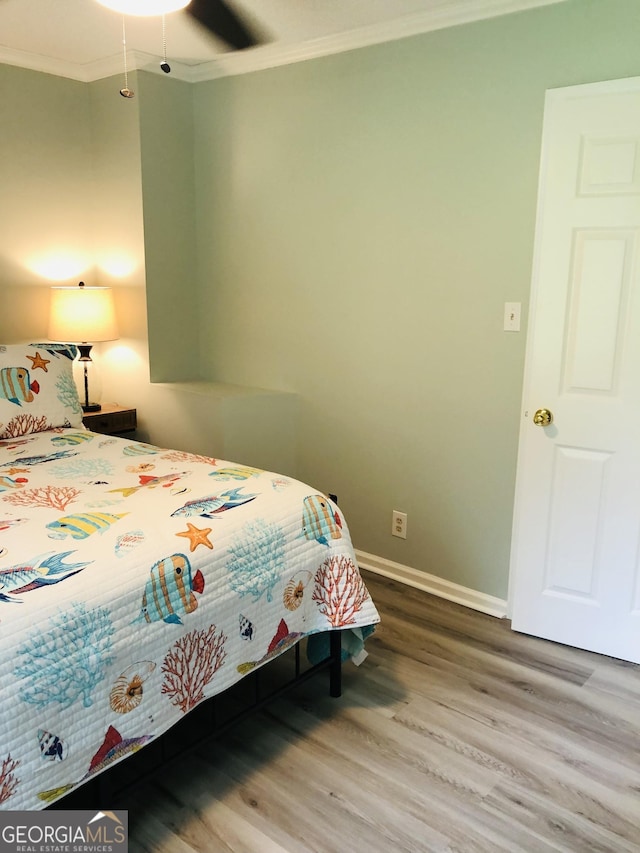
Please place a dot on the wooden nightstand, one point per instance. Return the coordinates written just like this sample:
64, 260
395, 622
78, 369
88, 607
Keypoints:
111, 419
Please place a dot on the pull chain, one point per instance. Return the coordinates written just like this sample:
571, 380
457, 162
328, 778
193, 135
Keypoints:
164, 64
126, 92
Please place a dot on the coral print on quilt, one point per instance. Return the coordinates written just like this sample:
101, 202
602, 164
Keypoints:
136, 581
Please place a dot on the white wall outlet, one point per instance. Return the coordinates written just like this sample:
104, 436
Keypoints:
512, 316
399, 524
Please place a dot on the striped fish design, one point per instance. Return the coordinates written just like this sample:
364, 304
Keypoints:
12, 444
170, 590
72, 438
147, 482
45, 570
211, 505
82, 525
139, 449
319, 520
40, 459
241, 472
7, 482
16, 385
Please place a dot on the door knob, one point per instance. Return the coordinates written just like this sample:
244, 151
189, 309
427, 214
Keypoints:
543, 417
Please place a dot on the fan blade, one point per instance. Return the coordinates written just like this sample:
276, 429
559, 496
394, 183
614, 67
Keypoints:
223, 22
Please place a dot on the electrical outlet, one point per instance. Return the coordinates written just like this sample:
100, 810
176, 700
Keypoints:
399, 524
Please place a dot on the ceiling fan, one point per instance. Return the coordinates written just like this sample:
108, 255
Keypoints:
221, 20
216, 16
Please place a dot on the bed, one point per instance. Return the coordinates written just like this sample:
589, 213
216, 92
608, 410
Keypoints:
136, 582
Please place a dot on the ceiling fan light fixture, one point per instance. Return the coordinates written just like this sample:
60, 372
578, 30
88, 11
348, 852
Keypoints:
144, 8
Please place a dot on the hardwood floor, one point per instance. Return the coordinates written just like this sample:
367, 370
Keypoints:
456, 734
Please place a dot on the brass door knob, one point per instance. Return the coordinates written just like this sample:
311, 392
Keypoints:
543, 417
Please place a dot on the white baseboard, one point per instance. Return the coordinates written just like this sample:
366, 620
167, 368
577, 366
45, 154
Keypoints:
435, 585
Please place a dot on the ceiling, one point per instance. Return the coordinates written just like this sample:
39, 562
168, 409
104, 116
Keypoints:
83, 40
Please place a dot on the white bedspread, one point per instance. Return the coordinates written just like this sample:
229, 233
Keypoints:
137, 581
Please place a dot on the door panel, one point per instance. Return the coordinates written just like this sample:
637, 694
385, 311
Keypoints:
577, 491
575, 573
598, 293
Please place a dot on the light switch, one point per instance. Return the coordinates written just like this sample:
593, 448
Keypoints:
512, 316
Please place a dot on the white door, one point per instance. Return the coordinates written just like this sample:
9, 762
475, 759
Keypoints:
575, 569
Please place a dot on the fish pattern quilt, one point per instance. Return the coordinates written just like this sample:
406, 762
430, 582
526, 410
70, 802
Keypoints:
135, 582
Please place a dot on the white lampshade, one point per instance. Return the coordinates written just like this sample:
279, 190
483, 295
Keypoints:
82, 314
144, 7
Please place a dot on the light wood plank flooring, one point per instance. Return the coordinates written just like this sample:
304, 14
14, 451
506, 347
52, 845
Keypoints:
456, 734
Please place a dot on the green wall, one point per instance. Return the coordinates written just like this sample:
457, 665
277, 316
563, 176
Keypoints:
362, 220
166, 140
348, 230
45, 200
105, 184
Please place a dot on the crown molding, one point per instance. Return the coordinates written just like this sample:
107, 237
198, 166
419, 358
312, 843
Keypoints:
274, 55
109, 66
37, 62
140, 61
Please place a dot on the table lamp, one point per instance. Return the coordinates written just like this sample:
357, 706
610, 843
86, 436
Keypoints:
81, 314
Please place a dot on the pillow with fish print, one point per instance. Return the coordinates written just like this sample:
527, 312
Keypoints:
37, 389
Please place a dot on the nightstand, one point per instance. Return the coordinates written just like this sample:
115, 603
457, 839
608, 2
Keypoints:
111, 419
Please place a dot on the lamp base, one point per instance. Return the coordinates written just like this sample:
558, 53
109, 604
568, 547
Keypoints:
91, 407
